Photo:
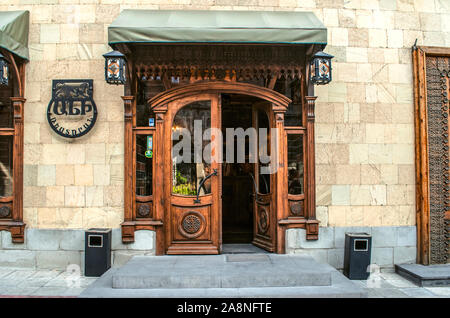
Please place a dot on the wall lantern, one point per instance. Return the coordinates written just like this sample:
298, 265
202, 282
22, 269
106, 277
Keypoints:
4, 71
320, 71
115, 68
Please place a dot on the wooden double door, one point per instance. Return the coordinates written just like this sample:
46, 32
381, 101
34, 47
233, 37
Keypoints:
193, 169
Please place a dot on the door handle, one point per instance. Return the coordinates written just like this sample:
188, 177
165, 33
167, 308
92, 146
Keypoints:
214, 173
254, 185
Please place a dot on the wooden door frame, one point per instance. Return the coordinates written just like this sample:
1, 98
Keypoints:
419, 57
159, 104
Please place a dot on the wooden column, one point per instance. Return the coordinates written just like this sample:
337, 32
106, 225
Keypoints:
312, 225
159, 196
281, 201
17, 226
128, 225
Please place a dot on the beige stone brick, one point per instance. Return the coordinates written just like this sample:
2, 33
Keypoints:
34, 197
31, 133
383, 20
339, 37
32, 154
47, 218
41, 14
74, 196
373, 215
406, 174
323, 195
348, 174
70, 218
395, 38
383, 113
380, 153
351, 112
53, 154
30, 217
94, 196
400, 73
117, 174
113, 195
359, 153
379, 73
45, 136
70, 33
386, 93
391, 56
389, 174
76, 154
430, 22
357, 55
106, 13
370, 174
114, 217
95, 217
406, 215
407, 20
364, 19
102, 174
356, 93
371, 95
354, 216
325, 133
95, 153
91, 33
33, 92
390, 217
364, 73
55, 196
350, 133
46, 175
375, 55
322, 215
433, 38
83, 175
375, 133
399, 194
332, 154
340, 195
388, 5
346, 72
360, 195
337, 92
49, 33
377, 38
116, 132
330, 17
402, 113
325, 174
337, 215
347, 18
65, 175
403, 154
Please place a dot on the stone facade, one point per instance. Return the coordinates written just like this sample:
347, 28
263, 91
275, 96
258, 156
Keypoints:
364, 121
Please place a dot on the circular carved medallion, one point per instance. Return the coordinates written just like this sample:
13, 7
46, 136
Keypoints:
4, 211
192, 224
144, 210
296, 208
263, 220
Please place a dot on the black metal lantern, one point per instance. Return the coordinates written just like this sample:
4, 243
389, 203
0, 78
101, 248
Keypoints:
4, 71
320, 71
115, 67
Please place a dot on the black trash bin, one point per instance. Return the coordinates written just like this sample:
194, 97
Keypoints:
97, 252
357, 255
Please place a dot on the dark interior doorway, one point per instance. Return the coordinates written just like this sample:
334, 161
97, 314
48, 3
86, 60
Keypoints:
237, 182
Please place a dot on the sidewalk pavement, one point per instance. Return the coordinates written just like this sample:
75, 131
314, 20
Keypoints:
57, 283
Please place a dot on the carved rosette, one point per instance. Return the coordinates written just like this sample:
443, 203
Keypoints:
192, 224
5, 211
144, 210
296, 208
263, 220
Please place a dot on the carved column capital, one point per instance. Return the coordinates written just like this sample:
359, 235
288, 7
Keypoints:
128, 107
310, 107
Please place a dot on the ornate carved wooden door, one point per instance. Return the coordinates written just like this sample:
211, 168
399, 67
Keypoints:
264, 225
192, 172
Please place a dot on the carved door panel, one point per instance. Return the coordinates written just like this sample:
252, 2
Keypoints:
264, 225
192, 175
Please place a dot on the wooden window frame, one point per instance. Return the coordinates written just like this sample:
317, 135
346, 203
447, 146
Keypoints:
14, 221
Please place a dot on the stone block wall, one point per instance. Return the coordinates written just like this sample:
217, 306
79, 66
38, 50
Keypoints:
56, 249
390, 244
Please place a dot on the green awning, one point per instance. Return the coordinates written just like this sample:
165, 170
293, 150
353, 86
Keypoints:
176, 26
14, 32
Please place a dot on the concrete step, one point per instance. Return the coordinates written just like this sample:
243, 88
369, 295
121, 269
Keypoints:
221, 271
425, 276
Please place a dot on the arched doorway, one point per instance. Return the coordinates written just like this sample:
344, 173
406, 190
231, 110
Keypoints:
195, 214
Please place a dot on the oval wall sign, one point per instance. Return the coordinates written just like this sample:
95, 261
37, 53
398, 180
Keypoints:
71, 112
